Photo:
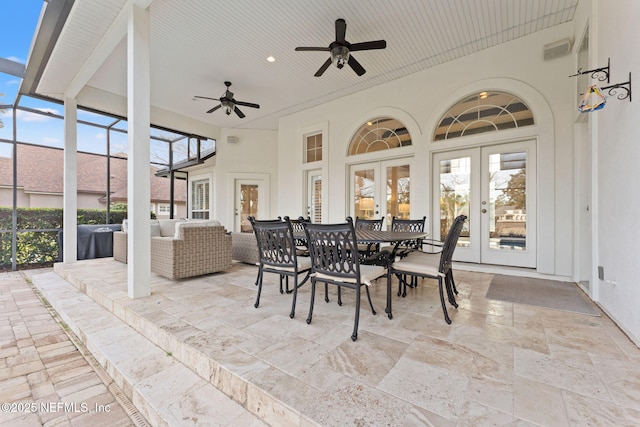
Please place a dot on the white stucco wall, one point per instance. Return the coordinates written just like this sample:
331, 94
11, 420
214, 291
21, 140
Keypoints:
420, 99
254, 154
614, 35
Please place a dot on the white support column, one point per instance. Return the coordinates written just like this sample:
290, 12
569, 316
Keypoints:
70, 197
139, 186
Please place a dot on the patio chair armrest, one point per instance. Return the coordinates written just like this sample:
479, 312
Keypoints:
433, 244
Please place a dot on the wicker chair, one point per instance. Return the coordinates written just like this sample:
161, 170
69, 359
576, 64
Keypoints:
335, 260
199, 247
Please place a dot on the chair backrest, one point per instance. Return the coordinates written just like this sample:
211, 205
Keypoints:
298, 224
333, 249
369, 224
298, 228
410, 225
276, 245
450, 243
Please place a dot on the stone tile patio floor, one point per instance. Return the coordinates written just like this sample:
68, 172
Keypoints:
45, 379
497, 364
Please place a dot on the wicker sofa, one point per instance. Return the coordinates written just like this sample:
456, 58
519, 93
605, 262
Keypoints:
182, 249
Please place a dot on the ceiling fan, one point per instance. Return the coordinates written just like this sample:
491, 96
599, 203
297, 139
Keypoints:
340, 50
228, 103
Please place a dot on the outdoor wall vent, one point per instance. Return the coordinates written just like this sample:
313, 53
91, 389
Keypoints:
557, 49
232, 139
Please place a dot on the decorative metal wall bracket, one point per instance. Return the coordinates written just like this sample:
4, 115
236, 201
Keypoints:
613, 89
601, 74
620, 90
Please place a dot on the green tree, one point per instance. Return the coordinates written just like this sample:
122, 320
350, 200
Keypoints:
515, 194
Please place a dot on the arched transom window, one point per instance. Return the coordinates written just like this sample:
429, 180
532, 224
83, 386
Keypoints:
483, 112
379, 134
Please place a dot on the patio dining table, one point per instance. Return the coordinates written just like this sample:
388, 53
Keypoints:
383, 258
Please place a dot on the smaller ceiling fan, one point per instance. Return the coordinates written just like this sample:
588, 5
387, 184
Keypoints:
228, 103
340, 50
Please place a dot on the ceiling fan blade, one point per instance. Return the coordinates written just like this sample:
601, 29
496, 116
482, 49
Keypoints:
359, 69
312, 49
341, 29
377, 44
324, 67
214, 108
238, 112
206, 97
246, 104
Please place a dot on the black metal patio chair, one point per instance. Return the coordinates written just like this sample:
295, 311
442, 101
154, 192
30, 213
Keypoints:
366, 249
278, 254
335, 260
435, 266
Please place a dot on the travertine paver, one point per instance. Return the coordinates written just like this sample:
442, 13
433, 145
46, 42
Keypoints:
44, 379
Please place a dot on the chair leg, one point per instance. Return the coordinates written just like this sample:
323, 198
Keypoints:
295, 296
354, 335
450, 294
257, 277
313, 297
340, 295
388, 308
370, 303
444, 307
326, 292
257, 303
287, 285
453, 283
281, 290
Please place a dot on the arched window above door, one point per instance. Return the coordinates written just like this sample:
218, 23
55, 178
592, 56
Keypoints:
379, 134
486, 111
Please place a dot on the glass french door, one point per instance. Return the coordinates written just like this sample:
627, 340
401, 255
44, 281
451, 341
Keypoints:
314, 196
381, 189
495, 187
247, 204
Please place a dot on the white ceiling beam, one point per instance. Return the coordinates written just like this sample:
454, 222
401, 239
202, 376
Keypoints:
113, 36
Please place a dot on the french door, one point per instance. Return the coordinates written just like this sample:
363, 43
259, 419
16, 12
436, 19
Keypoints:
381, 189
495, 187
247, 203
314, 195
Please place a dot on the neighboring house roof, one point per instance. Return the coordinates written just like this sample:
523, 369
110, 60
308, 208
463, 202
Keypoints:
40, 170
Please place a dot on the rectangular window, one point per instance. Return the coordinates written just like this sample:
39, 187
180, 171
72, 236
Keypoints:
165, 209
200, 199
313, 148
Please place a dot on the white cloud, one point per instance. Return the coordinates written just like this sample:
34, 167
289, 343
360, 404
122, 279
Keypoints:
100, 135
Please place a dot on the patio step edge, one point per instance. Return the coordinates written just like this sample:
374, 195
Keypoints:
163, 390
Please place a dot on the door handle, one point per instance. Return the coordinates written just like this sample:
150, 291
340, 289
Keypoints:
483, 211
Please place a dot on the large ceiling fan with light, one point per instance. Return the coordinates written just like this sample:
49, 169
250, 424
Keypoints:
341, 50
228, 103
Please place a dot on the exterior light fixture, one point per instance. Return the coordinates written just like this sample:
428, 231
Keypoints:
483, 95
271, 58
227, 106
340, 56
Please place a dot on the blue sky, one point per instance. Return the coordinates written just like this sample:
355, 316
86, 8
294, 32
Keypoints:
18, 23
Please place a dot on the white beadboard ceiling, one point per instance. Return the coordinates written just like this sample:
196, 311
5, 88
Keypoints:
196, 45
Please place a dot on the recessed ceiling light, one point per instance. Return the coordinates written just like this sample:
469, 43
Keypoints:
271, 58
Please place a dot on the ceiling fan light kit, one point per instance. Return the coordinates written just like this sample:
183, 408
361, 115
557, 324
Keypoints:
340, 50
